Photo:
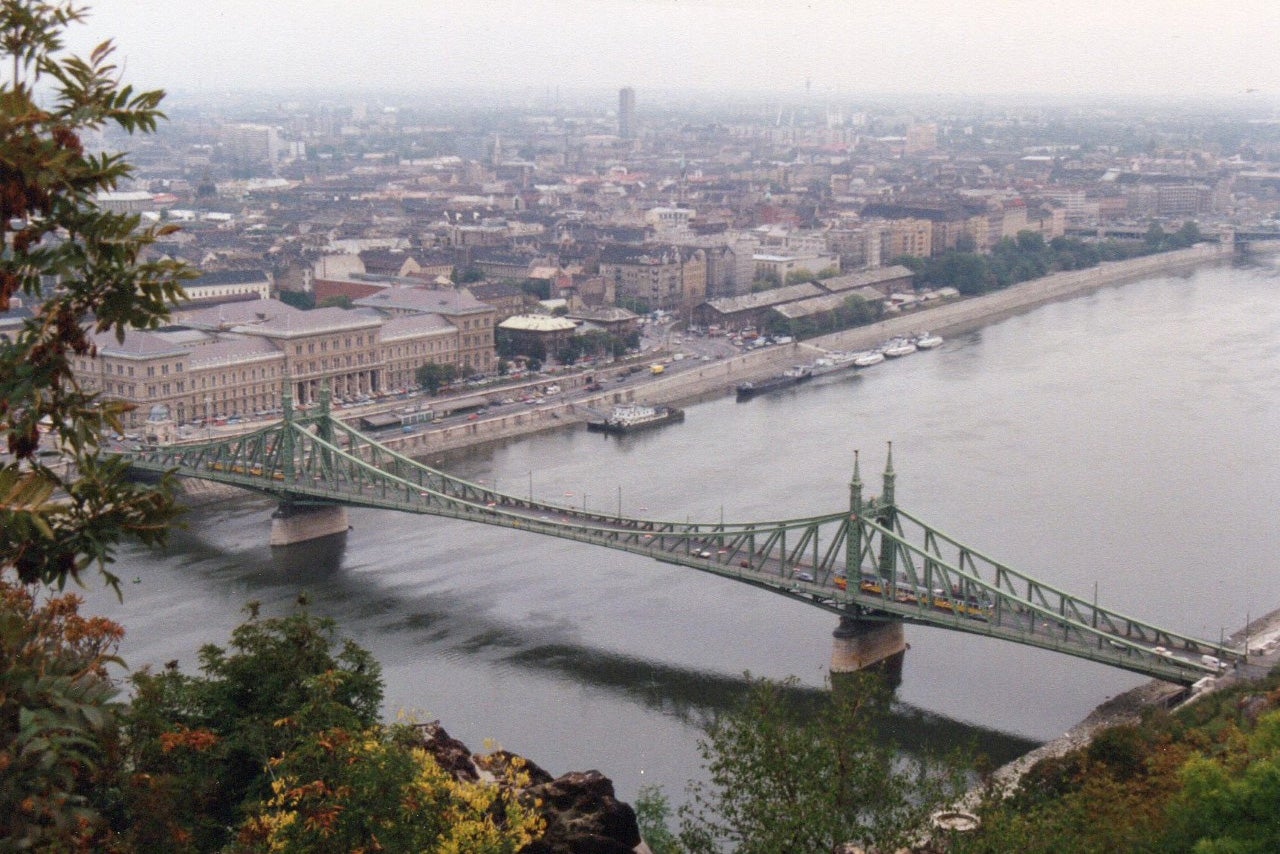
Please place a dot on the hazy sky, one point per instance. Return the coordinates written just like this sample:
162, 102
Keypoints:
1122, 47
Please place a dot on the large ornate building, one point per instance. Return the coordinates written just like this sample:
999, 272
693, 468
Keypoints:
231, 360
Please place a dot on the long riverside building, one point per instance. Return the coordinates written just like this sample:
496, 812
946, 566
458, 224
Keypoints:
229, 360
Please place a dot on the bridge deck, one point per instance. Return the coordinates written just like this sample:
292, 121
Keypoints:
873, 561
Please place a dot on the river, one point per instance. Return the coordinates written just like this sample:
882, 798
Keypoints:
1128, 438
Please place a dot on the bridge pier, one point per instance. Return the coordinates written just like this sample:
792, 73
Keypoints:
859, 644
297, 523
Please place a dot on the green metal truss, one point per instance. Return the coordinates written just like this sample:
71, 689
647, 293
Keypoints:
871, 562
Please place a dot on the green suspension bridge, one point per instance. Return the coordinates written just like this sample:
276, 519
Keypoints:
872, 563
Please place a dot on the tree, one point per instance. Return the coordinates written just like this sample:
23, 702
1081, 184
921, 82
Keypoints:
781, 779
1227, 805
200, 747
433, 375
298, 299
58, 736
466, 275
1154, 238
799, 276
54, 232
81, 264
378, 789
1188, 235
765, 280
337, 301
652, 813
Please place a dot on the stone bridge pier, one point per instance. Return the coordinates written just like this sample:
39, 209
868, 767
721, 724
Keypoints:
858, 644
296, 523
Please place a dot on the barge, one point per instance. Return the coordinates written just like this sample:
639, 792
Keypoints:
634, 417
789, 377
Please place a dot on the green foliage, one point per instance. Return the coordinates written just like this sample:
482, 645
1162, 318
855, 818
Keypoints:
466, 275
537, 288
652, 815
596, 343
339, 301
1229, 803
54, 231
853, 311
799, 276
510, 346
784, 780
765, 280
298, 299
378, 790
200, 746
58, 731
1206, 779
432, 375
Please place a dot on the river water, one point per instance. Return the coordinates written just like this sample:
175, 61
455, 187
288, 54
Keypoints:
1128, 439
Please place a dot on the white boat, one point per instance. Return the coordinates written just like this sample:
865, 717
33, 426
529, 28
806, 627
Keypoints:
830, 363
927, 340
867, 358
899, 347
632, 417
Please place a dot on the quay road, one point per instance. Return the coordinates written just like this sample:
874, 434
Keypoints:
591, 386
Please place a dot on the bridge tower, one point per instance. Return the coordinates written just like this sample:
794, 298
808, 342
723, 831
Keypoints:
860, 642
298, 521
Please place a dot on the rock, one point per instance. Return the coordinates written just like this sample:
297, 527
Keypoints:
581, 812
451, 754
584, 817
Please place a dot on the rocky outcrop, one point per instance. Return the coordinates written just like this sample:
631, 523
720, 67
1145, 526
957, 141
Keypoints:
581, 812
584, 817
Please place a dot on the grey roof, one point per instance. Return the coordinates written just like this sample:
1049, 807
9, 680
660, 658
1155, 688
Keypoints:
414, 325
603, 314
816, 305
232, 351
311, 322
228, 277
437, 300
226, 315
822, 304
862, 278
180, 336
275, 319
137, 344
764, 299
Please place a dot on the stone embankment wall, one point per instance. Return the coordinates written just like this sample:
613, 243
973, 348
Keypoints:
722, 375
962, 315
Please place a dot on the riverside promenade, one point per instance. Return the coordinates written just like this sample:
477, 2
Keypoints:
710, 378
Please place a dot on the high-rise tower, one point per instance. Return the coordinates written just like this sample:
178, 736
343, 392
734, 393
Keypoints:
627, 113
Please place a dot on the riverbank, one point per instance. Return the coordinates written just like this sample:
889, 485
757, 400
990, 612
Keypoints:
1261, 636
721, 376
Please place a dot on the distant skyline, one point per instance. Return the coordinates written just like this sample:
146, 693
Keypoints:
842, 47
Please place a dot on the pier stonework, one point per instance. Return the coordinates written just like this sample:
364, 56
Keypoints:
859, 644
297, 523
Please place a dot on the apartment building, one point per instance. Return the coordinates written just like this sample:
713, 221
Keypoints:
667, 278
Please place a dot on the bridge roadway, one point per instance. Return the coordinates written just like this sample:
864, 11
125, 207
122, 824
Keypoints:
872, 562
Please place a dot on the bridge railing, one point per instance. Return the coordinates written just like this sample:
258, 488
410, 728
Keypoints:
880, 563
932, 570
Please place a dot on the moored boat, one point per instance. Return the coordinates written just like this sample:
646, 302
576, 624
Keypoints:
831, 363
867, 358
927, 340
789, 377
899, 347
632, 417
